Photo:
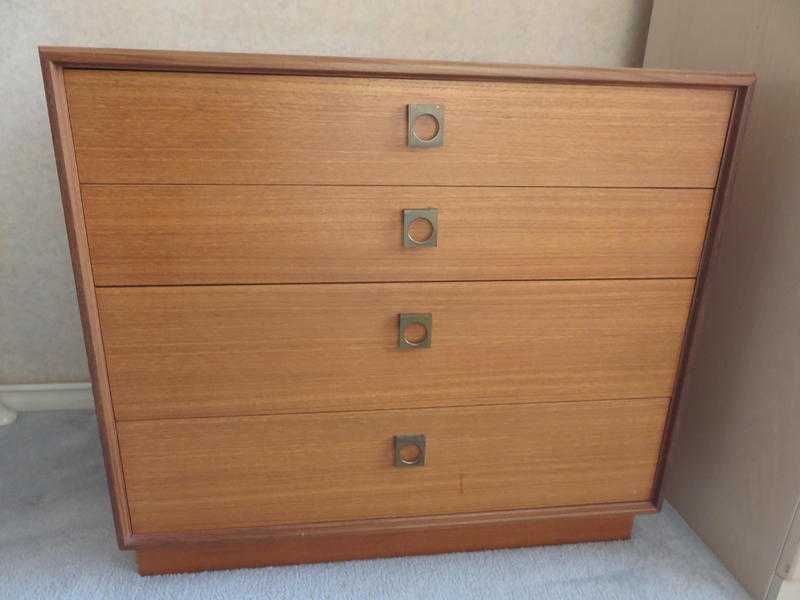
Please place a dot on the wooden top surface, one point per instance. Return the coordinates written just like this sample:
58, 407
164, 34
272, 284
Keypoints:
171, 60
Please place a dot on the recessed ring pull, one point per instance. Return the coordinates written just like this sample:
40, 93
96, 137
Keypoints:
420, 227
409, 450
415, 330
425, 125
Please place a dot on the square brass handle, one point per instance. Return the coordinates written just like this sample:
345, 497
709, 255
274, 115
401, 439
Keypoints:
409, 450
425, 125
415, 330
420, 227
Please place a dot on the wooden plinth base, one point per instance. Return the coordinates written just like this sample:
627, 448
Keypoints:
208, 556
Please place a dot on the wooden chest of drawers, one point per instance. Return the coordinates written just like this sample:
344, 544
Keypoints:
347, 308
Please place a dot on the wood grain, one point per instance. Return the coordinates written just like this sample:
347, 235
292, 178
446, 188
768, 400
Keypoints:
185, 474
145, 235
240, 350
239, 554
148, 127
56, 59
438, 74
53, 77
239, 62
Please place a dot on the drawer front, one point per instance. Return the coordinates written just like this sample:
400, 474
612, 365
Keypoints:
238, 350
184, 474
158, 127
140, 235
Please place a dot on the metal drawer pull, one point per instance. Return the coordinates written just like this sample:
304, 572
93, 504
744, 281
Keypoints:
409, 450
420, 227
415, 330
425, 125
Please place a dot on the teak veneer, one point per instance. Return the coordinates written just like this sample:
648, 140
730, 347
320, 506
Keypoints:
478, 458
143, 127
209, 234
236, 230
304, 348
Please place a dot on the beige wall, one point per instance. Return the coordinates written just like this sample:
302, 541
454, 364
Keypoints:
735, 468
40, 336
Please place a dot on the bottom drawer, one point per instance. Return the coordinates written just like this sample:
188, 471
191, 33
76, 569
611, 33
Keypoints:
184, 474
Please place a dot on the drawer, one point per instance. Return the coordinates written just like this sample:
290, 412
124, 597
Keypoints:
159, 127
184, 474
238, 350
186, 234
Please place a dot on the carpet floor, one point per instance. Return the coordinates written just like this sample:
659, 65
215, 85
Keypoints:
57, 541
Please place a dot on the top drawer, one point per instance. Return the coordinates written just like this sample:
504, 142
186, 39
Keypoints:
162, 127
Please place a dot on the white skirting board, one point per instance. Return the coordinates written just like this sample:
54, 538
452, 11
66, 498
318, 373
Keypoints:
43, 396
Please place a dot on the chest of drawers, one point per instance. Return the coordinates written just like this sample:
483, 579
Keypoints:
343, 308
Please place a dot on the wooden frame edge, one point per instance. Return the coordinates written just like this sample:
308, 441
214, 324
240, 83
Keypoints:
737, 126
389, 525
55, 94
231, 62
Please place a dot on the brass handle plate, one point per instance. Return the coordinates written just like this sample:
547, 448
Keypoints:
436, 112
426, 238
415, 330
409, 450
